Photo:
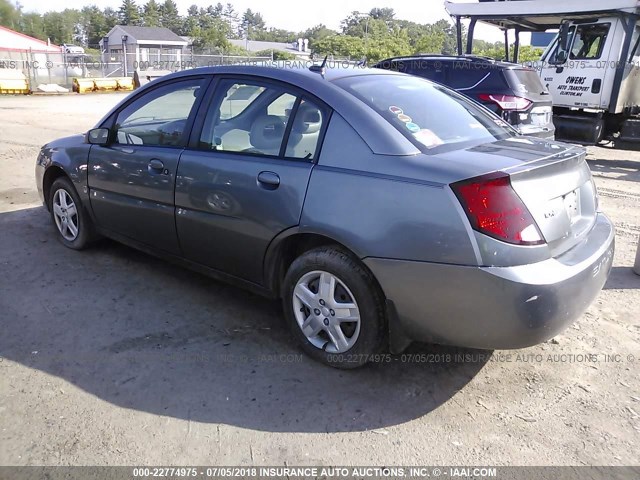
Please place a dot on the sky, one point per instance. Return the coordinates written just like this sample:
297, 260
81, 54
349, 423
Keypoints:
295, 15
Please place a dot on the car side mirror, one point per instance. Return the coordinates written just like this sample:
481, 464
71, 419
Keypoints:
561, 56
98, 136
563, 37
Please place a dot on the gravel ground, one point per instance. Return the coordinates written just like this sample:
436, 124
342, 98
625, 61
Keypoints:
111, 357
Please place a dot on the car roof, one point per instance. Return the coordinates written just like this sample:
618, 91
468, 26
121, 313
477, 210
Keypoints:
474, 59
379, 135
289, 71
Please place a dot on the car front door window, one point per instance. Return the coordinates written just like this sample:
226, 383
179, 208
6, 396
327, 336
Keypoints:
158, 118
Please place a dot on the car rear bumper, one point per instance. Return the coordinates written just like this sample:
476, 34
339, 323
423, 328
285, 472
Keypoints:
497, 307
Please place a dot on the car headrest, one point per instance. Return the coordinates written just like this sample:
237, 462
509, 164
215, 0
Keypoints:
267, 132
308, 119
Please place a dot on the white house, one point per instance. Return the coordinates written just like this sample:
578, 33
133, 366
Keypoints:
145, 48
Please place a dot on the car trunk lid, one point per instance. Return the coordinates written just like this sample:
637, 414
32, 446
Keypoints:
552, 179
560, 195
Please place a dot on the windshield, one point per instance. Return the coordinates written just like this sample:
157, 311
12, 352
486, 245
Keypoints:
433, 117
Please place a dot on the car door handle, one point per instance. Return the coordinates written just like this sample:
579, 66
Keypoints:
156, 166
268, 180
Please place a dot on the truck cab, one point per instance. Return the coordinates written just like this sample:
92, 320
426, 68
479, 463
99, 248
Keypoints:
580, 71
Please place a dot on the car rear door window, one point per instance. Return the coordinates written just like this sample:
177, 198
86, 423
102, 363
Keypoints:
249, 118
158, 117
258, 119
306, 130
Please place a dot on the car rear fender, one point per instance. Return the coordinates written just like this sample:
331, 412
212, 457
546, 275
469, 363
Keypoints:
390, 217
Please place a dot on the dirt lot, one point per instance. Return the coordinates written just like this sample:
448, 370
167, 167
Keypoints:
109, 356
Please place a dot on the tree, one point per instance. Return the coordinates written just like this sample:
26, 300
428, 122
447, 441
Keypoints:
93, 25
129, 13
110, 18
61, 27
449, 46
252, 23
275, 35
32, 24
276, 54
430, 43
230, 15
192, 20
151, 14
526, 53
340, 46
211, 35
169, 16
315, 34
385, 14
9, 15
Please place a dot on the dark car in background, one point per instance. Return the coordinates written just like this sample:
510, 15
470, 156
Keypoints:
375, 220
512, 91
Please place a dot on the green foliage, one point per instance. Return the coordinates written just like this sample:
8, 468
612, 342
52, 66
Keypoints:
429, 43
277, 54
169, 16
235, 50
526, 53
383, 36
315, 34
210, 35
62, 27
151, 14
9, 14
95, 24
32, 24
357, 48
252, 23
274, 35
129, 13
340, 46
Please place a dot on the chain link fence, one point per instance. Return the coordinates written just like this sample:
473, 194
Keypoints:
42, 67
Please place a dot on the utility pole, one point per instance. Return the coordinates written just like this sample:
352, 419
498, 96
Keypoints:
366, 30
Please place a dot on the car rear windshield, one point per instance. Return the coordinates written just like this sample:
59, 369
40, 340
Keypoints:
431, 116
526, 82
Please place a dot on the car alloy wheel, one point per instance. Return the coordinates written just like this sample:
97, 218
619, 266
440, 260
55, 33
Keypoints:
65, 214
326, 311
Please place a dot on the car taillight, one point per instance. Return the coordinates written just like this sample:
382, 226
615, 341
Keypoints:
495, 209
506, 102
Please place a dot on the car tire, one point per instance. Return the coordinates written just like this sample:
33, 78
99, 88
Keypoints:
334, 307
73, 226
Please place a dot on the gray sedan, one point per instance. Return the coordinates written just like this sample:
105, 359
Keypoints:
380, 207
